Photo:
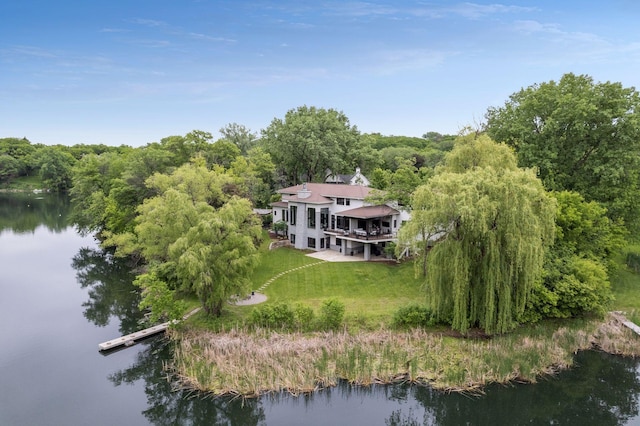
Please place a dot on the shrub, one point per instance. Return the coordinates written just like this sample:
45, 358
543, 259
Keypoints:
413, 316
303, 316
279, 315
331, 314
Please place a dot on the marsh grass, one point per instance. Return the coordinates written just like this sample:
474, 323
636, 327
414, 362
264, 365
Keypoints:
251, 363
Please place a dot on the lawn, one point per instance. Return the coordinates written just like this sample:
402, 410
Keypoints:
371, 291
625, 284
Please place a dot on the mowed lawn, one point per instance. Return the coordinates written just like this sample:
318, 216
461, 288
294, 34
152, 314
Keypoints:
370, 289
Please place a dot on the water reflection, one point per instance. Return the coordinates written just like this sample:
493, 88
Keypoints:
110, 289
600, 390
167, 406
23, 212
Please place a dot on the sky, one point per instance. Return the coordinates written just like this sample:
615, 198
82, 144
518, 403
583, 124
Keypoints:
135, 71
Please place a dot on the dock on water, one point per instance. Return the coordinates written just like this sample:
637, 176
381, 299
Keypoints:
131, 339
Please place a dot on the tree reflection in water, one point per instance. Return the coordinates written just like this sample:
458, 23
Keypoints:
167, 406
23, 212
600, 390
111, 292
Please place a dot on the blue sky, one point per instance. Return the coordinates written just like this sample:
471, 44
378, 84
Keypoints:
135, 71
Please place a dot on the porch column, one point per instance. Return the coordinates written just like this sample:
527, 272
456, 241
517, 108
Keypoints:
367, 251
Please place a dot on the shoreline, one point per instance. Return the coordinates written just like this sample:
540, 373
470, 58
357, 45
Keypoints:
253, 363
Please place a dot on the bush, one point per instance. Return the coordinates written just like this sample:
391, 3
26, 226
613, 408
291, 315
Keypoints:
413, 316
279, 316
303, 317
331, 314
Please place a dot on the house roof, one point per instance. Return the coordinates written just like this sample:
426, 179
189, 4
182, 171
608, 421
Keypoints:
279, 204
369, 212
324, 190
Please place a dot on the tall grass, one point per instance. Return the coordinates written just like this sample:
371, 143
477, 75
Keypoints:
252, 363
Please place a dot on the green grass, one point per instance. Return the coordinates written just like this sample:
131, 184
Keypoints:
24, 183
625, 284
371, 291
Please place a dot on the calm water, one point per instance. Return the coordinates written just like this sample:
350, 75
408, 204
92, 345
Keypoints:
60, 296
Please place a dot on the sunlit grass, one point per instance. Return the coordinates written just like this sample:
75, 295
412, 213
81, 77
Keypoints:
625, 284
370, 291
24, 183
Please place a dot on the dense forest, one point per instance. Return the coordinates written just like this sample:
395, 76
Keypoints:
512, 222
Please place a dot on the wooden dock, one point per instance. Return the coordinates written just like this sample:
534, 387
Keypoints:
131, 339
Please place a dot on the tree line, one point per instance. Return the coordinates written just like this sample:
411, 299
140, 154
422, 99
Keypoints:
512, 222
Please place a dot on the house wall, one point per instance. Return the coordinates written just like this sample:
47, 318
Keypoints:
301, 228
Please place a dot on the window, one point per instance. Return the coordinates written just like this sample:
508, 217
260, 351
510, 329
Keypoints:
311, 242
343, 223
347, 202
311, 217
285, 216
293, 213
275, 213
321, 243
292, 238
324, 218
340, 201
395, 223
338, 242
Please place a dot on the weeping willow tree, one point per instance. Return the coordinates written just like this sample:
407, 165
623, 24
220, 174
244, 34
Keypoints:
487, 224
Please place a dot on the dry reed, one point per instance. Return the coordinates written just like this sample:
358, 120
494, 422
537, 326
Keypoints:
251, 363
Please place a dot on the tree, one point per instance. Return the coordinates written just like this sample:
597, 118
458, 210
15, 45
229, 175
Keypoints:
93, 176
576, 268
489, 223
310, 141
55, 165
9, 167
196, 239
582, 136
215, 257
240, 136
19, 149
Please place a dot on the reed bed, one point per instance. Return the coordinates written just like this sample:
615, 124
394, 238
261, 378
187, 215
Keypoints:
254, 362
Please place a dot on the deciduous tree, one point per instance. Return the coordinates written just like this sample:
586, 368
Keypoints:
310, 141
581, 136
489, 223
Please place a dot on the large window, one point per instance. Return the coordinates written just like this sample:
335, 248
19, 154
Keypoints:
324, 218
340, 201
311, 217
311, 242
293, 214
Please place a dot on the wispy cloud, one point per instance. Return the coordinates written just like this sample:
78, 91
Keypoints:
476, 11
114, 30
554, 32
199, 36
393, 61
147, 22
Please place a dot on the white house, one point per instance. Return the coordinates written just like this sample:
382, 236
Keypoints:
355, 179
324, 216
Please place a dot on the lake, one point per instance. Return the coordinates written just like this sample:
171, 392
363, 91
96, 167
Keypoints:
61, 295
